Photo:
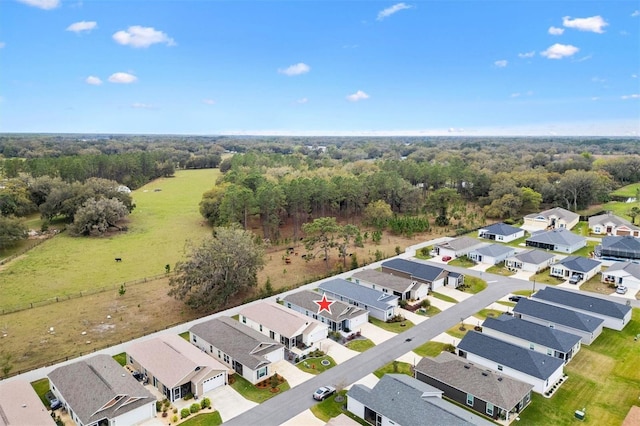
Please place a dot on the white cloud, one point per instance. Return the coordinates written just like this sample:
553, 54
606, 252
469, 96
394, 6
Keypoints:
94, 81
593, 24
633, 96
595, 98
358, 96
598, 80
78, 27
635, 13
501, 63
302, 101
122, 77
391, 10
2, 44
634, 75
137, 36
297, 69
515, 95
140, 105
555, 31
527, 54
42, 4
559, 51
208, 101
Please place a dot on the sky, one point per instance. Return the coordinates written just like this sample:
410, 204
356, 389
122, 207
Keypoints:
298, 67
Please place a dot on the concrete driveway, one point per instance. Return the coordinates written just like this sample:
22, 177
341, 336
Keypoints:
228, 402
338, 352
440, 304
453, 293
293, 374
306, 418
369, 381
412, 316
375, 334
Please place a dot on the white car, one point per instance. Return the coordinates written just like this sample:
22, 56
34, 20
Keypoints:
324, 392
621, 289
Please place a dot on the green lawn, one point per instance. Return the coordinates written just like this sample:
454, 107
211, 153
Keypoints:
627, 191
330, 408
443, 297
314, 365
525, 293
510, 304
360, 345
459, 334
545, 278
485, 313
159, 227
499, 269
253, 393
586, 250
431, 349
400, 368
185, 335
431, 311
394, 327
205, 419
463, 262
121, 358
618, 208
41, 387
474, 285
423, 253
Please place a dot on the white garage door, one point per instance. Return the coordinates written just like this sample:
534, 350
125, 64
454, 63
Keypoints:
213, 383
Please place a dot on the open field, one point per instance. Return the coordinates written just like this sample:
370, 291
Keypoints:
627, 191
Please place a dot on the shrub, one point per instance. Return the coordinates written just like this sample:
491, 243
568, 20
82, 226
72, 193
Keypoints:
188, 396
426, 303
174, 419
184, 413
175, 410
403, 303
158, 406
166, 402
195, 407
205, 403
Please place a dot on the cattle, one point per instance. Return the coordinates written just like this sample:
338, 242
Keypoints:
118, 259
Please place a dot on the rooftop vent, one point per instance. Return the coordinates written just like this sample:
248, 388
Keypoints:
499, 379
467, 366
484, 373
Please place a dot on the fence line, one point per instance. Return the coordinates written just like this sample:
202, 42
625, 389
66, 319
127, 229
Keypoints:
24, 250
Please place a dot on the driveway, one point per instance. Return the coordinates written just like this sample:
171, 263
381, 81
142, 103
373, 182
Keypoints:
370, 380
440, 304
375, 334
306, 418
293, 374
453, 293
412, 316
338, 352
228, 402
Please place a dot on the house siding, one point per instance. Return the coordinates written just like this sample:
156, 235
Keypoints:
526, 344
137, 416
586, 337
380, 314
609, 322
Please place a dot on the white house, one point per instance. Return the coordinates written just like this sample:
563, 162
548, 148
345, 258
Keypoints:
577, 267
491, 254
401, 286
341, 316
531, 261
501, 232
380, 305
559, 239
623, 274
554, 218
610, 224
419, 273
20, 405
457, 247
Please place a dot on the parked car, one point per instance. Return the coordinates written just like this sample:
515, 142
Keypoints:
621, 289
446, 258
515, 298
575, 279
54, 403
324, 392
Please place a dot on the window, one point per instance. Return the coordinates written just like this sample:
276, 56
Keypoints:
130, 360
226, 358
288, 305
489, 409
211, 348
194, 339
470, 400
532, 346
244, 319
549, 352
219, 354
262, 372
260, 327
499, 368
272, 335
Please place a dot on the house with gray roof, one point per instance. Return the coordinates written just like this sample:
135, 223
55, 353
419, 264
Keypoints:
530, 261
501, 232
588, 327
393, 283
341, 317
98, 391
536, 337
20, 405
619, 248
559, 239
554, 218
577, 269
380, 305
615, 315
486, 391
610, 224
623, 274
539, 370
248, 352
398, 399
457, 247
491, 254
422, 273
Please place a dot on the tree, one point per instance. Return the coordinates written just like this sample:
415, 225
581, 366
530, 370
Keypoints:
223, 265
321, 233
210, 206
633, 213
346, 233
95, 217
12, 230
439, 202
377, 214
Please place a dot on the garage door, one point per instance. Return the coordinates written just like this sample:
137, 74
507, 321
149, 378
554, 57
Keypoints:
213, 383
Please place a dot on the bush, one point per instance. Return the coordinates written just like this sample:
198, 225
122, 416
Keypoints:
403, 303
166, 402
195, 407
175, 410
426, 303
184, 413
188, 396
174, 419
205, 403
158, 406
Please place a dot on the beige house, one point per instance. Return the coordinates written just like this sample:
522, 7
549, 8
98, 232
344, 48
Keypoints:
20, 405
610, 224
554, 218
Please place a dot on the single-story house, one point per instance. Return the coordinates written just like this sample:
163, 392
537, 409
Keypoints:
20, 405
398, 399
488, 392
341, 317
539, 370
578, 267
559, 239
615, 315
554, 218
420, 272
176, 367
98, 391
623, 274
396, 284
491, 254
531, 261
248, 352
619, 248
536, 337
380, 305
501, 232
588, 327
297, 332
611, 224
457, 247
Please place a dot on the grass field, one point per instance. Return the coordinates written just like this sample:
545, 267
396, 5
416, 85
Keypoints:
360, 345
432, 349
253, 393
394, 367
315, 366
206, 419
394, 327
627, 191
474, 285
443, 297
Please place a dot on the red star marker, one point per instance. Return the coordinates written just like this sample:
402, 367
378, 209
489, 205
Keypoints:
324, 304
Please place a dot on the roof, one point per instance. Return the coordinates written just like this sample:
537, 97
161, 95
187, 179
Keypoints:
535, 333
306, 299
359, 293
602, 219
20, 405
242, 343
531, 363
535, 257
633, 416
419, 270
558, 236
501, 229
460, 243
583, 302
579, 263
403, 399
558, 315
283, 321
383, 279
173, 360
487, 385
558, 212
627, 243
494, 250
106, 379
631, 268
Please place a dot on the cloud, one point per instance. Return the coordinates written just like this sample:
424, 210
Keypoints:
593, 24
297, 69
137, 36
208, 101
122, 77
527, 54
515, 95
42, 4
633, 96
139, 105
555, 31
302, 101
598, 80
391, 10
595, 98
94, 81
634, 75
358, 96
635, 13
559, 51
501, 63
2, 44
78, 27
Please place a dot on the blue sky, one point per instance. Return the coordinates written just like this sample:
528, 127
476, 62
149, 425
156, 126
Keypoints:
328, 67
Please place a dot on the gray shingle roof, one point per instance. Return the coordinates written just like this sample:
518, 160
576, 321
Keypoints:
339, 310
535, 257
494, 250
460, 243
583, 302
631, 268
532, 363
359, 293
626, 243
559, 236
559, 212
382, 279
242, 343
419, 270
610, 218
579, 263
502, 229
558, 315
487, 385
532, 332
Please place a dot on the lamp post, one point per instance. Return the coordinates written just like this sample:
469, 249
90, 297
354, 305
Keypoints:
534, 287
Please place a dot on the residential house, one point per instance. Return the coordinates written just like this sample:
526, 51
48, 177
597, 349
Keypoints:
623, 274
554, 218
248, 352
380, 305
341, 317
588, 327
560, 239
491, 254
20, 405
398, 399
619, 248
176, 367
423, 273
488, 392
610, 224
577, 269
98, 391
539, 370
396, 284
457, 247
501, 232
530, 261
615, 315
297, 332
536, 337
